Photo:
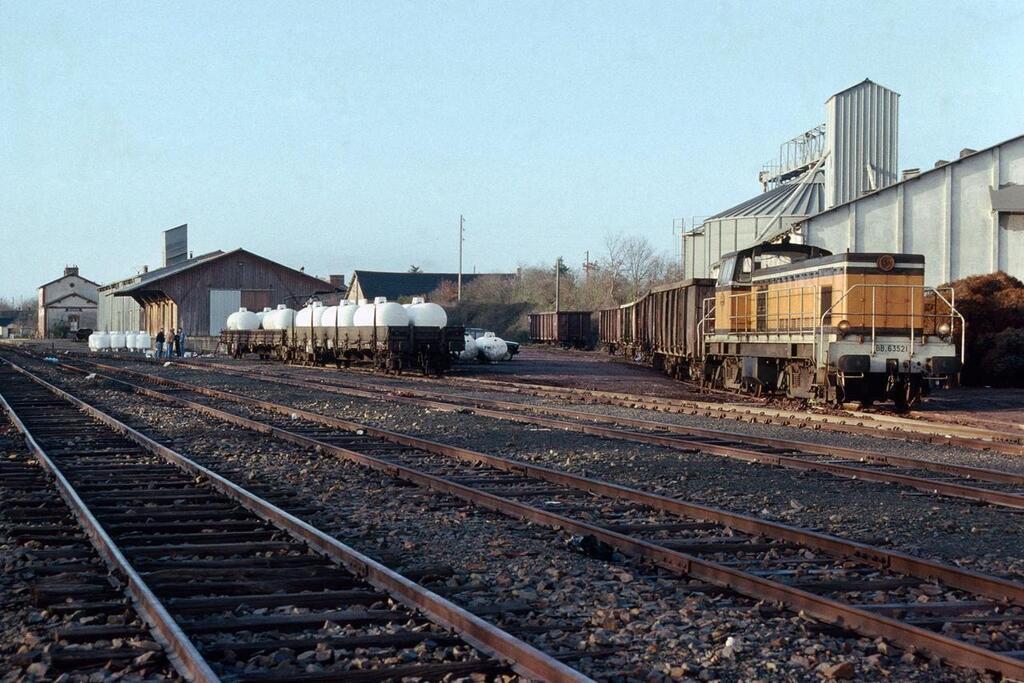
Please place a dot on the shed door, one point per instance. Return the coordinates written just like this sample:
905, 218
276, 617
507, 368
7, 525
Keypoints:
223, 302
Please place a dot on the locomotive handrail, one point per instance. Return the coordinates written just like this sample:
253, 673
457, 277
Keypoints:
700, 324
820, 333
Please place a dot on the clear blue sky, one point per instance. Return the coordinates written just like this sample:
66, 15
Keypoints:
351, 135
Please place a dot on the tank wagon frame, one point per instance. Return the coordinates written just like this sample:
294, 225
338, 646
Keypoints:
797, 320
569, 329
391, 349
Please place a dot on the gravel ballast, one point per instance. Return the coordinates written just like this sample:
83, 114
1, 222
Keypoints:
578, 604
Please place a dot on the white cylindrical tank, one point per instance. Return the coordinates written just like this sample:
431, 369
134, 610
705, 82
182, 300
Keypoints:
422, 314
102, 340
260, 315
493, 348
364, 315
382, 313
471, 351
130, 339
310, 315
143, 341
93, 341
244, 320
346, 312
117, 340
281, 319
329, 318
232, 321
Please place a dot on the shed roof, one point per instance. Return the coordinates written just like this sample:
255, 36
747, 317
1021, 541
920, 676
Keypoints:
396, 285
149, 281
794, 199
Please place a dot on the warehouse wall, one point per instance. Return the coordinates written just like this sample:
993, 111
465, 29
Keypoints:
945, 214
120, 313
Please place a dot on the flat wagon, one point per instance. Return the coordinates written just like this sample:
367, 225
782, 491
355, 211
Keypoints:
571, 329
386, 348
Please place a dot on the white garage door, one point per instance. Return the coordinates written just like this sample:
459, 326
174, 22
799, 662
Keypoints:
223, 302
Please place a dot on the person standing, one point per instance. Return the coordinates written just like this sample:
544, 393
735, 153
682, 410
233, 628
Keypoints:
177, 343
160, 338
181, 338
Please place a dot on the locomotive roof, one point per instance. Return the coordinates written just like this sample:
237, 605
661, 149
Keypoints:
914, 261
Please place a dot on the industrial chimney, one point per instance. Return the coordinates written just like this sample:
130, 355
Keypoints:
176, 245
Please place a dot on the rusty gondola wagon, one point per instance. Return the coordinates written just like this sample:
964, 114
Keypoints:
568, 329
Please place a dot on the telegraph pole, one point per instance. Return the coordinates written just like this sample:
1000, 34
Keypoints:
462, 237
588, 266
558, 281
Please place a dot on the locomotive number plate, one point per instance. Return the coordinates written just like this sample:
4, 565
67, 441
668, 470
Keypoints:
893, 348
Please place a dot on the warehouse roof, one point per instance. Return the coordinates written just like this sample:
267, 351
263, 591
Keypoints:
793, 199
147, 281
158, 273
373, 283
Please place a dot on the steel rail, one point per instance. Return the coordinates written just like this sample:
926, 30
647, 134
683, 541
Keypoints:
819, 607
974, 438
891, 426
182, 653
477, 406
967, 472
489, 639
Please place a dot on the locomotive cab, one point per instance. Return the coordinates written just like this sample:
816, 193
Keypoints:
835, 327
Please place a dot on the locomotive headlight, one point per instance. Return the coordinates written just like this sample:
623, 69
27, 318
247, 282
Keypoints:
844, 326
944, 329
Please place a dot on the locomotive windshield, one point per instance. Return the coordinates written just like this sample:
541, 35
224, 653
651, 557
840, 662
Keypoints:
737, 267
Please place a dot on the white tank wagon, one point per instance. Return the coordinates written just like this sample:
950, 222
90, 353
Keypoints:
386, 335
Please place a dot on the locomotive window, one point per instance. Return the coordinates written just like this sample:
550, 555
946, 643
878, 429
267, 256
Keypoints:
725, 273
746, 267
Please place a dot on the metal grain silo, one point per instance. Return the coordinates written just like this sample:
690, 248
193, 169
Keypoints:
862, 127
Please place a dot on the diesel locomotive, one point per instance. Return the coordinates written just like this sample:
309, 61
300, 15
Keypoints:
797, 320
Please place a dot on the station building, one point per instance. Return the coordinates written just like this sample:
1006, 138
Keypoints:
66, 305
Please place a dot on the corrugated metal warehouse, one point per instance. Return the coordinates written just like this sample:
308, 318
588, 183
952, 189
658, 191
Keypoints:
836, 186
966, 216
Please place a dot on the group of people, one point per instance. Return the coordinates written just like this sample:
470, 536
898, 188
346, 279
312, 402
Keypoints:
175, 341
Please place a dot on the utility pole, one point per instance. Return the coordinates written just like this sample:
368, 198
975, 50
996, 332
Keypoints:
588, 266
462, 238
558, 281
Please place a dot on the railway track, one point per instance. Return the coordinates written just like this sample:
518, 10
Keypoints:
64, 582
872, 424
982, 485
219, 573
860, 423
912, 602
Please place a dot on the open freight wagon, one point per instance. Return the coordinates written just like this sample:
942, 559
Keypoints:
661, 328
569, 329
